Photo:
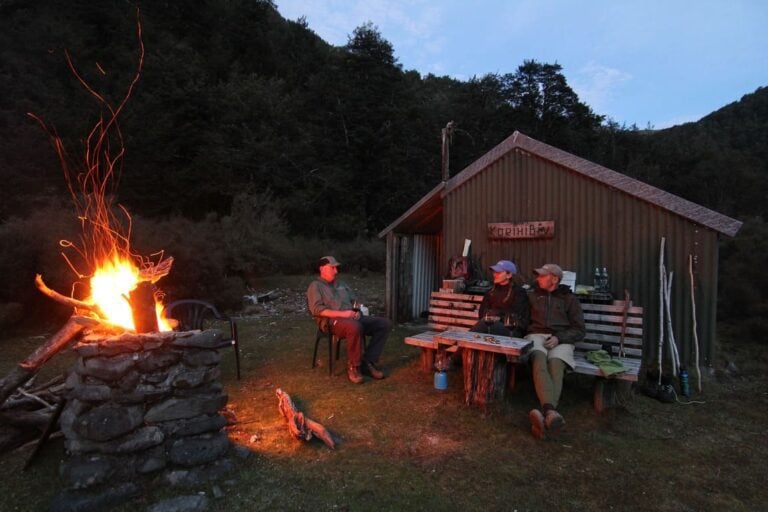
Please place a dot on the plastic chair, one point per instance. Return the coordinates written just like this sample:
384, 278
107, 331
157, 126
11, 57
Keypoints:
324, 330
334, 342
198, 314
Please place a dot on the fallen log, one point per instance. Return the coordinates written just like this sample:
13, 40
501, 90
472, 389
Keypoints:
300, 426
38, 419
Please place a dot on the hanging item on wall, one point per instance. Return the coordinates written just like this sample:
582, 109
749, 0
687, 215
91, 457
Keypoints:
531, 229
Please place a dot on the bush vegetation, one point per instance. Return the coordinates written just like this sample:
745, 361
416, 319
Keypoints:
253, 146
215, 258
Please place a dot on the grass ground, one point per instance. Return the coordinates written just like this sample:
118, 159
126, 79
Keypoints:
405, 446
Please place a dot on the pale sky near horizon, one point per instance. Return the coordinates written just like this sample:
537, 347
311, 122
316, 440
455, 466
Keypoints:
657, 62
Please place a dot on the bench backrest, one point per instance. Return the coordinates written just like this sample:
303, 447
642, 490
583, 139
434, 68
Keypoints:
457, 311
605, 324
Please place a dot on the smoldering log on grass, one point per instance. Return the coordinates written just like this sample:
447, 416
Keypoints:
300, 426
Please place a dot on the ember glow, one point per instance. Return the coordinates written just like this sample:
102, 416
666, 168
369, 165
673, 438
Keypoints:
111, 285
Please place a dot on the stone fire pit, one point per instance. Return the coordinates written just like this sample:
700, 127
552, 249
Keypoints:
142, 409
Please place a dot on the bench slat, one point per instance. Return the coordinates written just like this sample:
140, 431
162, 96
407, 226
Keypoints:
611, 319
631, 352
612, 339
617, 307
457, 297
447, 326
455, 313
426, 340
606, 328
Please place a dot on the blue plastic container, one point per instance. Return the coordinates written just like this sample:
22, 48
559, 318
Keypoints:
441, 381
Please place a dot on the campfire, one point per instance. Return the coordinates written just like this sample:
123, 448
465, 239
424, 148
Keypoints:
141, 398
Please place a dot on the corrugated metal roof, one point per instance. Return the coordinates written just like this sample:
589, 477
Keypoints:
427, 212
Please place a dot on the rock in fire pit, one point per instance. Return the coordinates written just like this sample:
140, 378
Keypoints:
142, 406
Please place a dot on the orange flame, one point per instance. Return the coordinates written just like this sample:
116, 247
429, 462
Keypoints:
104, 248
111, 285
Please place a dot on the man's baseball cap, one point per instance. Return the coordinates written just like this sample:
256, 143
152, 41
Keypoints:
328, 260
504, 266
550, 269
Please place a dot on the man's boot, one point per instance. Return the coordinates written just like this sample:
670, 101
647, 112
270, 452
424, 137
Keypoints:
353, 372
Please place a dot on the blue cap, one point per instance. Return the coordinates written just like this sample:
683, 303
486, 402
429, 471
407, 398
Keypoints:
504, 266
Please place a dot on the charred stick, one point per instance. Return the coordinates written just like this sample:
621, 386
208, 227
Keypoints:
63, 299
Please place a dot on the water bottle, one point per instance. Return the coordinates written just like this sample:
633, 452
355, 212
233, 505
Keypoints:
596, 281
685, 387
604, 280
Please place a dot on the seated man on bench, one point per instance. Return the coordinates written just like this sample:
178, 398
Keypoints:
333, 299
557, 323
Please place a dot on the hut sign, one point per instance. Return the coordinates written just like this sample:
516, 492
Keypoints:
533, 229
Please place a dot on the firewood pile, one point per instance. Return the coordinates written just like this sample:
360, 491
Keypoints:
29, 410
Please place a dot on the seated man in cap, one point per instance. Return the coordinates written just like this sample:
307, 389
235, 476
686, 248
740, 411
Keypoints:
504, 309
556, 324
330, 298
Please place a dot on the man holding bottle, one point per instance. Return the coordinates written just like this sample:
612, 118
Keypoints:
331, 299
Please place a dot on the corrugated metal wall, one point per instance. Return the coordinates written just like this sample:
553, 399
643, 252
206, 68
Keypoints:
412, 274
425, 272
595, 226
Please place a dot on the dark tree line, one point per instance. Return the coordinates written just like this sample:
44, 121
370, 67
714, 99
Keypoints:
241, 114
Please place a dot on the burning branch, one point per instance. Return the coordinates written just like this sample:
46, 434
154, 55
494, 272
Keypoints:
67, 301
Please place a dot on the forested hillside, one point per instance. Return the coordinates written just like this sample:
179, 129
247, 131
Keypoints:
246, 132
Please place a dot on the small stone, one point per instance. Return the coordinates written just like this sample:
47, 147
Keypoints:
190, 503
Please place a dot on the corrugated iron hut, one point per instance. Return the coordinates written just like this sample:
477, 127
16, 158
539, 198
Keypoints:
532, 203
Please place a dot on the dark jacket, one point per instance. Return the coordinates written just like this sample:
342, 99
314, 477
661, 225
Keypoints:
507, 299
557, 313
322, 295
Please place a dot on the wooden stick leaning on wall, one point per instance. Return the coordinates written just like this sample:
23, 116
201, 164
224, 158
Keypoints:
695, 328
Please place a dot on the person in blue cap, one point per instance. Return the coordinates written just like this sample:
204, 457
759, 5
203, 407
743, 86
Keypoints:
504, 310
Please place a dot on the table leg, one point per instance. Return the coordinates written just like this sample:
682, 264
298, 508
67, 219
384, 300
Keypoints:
485, 376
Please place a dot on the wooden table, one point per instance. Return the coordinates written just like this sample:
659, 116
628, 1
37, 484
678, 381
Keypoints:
484, 362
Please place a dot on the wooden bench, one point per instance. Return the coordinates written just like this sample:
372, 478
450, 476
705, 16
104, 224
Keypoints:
619, 331
447, 310
455, 311
608, 327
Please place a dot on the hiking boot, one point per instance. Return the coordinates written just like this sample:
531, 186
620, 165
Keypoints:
372, 370
537, 423
666, 392
355, 377
553, 420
